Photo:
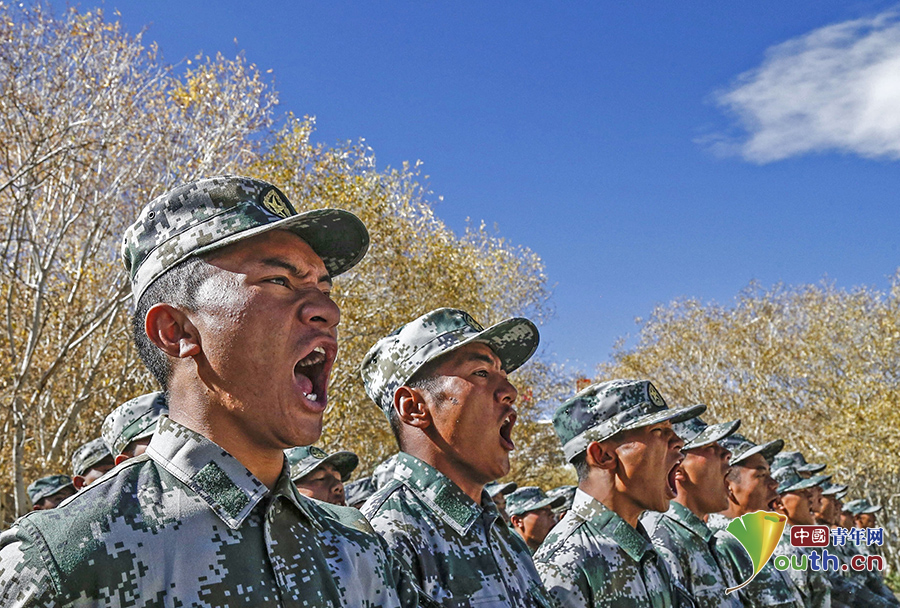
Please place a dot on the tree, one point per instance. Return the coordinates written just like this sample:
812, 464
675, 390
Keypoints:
814, 365
91, 127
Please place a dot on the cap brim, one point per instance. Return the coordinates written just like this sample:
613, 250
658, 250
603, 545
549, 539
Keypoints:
504, 488
513, 353
820, 479
673, 416
812, 468
553, 503
803, 484
835, 489
344, 462
768, 451
337, 236
712, 434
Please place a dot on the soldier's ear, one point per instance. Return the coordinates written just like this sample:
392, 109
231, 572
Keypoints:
409, 403
78, 482
170, 329
602, 455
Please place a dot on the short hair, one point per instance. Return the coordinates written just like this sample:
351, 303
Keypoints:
425, 379
582, 468
178, 287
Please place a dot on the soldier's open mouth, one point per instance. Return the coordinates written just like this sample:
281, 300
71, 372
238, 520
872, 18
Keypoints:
670, 481
506, 432
311, 376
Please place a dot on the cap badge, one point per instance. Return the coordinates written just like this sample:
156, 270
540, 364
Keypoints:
317, 453
655, 397
274, 203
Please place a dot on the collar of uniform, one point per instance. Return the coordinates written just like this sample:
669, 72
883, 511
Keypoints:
438, 492
226, 485
686, 518
634, 542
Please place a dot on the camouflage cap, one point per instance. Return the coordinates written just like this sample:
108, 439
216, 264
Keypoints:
207, 214
860, 506
133, 420
304, 460
395, 358
833, 489
531, 498
567, 492
698, 434
789, 480
47, 486
796, 460
742, 448
89, 455
601, 410
359, 490
840, 495
495, 487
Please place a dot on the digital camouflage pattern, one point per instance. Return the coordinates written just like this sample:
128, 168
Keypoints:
796, 460
852, 588
462, 554
833, 489
496, 487
601, 410
207, 214
305, 460
594, 559
742, 448
121, 542
688, 546
359, 491
769, 589
870, 579
133, 420
47, 486
384, 472
789, 480
531, 498
395, 358
813, 586
88, 455
698, 434
568, 493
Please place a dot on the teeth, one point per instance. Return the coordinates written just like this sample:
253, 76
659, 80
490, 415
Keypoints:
319, 349
313, 358
311, 396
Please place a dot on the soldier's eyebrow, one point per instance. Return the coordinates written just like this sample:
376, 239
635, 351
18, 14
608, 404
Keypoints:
279, 263
480, 357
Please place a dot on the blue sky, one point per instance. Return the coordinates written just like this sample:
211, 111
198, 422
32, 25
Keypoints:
646, 151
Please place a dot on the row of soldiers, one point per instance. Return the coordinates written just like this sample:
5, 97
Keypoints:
213, 505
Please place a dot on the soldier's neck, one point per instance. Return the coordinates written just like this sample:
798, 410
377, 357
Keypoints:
687, 501
604, 490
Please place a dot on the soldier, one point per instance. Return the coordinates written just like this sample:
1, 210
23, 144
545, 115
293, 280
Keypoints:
619, 437
498, 493
863, 512
90, 462
850, 587
680, 534
357, 492
233, 317
795, 505
531, 514
128, 428
750, 488
47, 492
319, 475
441, 380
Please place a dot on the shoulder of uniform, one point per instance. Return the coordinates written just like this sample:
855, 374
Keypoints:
347, 516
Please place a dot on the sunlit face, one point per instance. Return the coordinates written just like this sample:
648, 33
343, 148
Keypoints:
52, 501
268, 328
702, 476
796, 506
865, 520
473, 417
323, 483
828, 510
534, 526
815, 498
648, 457
847, 520
752, 485
94, 473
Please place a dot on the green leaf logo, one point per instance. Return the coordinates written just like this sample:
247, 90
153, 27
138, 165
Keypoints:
759, 532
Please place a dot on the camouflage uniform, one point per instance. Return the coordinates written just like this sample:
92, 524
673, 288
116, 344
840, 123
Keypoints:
121, 542
593, 558
770, 588
45, 487
304, 460
813, 586
688, 546
89, 455
461, 553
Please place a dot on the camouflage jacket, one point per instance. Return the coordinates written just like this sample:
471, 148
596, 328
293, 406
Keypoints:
857, 587
461, 553
769, 589
813, 586
688, 546
186, 524
593, 558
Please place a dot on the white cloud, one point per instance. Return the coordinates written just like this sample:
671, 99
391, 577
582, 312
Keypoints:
836, 88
